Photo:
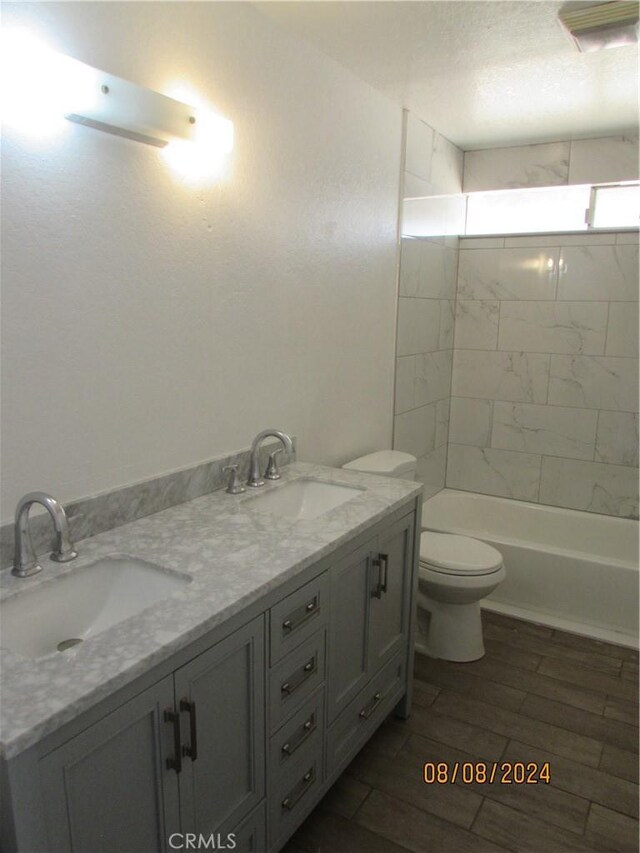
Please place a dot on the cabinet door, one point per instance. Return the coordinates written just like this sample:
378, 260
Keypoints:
221, 697
109, 788
388, 619
348, 620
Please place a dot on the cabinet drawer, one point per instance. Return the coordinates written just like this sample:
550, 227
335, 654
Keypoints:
251, 835
298, 616
293, 797
363, 715
295, 678
298, 738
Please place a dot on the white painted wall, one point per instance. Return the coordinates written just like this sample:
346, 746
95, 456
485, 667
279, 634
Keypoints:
148, 324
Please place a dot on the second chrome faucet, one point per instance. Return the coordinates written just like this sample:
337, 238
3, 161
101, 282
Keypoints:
255, 478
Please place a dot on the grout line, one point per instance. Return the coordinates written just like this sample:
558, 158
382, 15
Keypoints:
606, 330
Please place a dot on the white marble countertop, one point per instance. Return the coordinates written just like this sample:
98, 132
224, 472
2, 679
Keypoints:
234, 554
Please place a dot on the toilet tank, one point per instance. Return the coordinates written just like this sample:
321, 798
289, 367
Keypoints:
386, 463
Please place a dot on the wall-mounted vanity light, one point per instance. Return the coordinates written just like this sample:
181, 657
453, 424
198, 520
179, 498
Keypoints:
41, 86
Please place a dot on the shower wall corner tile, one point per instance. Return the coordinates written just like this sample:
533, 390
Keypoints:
442, 421
541, 165
594, 382
590, 486
548, 430
418, 326
431, 470
503, 473
415, 431
470, 421
617, 438
622, 329
600, 273
419, 147
553, 327
511, 376
604, 160
477, 324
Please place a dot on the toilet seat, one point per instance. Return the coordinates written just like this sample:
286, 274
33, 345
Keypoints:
450, 554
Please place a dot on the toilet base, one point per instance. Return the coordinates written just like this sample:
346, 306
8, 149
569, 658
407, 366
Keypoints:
449, 631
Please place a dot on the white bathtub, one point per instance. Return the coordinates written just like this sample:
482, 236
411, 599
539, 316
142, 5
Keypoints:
572, 570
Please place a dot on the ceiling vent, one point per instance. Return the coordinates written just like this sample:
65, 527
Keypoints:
596, 27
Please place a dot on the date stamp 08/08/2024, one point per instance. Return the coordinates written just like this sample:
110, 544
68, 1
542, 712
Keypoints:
486, 773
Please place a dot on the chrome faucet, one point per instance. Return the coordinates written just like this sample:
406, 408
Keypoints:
255, 479
26, 561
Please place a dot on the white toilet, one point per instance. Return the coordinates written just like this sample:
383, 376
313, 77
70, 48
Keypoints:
456, 572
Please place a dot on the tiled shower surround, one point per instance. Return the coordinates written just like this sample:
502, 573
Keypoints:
544, 389
426, 308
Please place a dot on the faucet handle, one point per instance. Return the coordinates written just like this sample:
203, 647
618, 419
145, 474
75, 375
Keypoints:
234, 486
272, 472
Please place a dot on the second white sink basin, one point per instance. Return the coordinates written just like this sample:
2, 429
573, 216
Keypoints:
304, 499
62, 613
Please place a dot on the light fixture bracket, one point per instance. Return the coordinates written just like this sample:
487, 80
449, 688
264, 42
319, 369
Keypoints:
607, 25
126, 109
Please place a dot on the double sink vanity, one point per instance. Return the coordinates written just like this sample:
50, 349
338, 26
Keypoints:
208, 669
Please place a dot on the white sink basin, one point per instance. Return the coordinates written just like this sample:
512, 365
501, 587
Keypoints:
59, 615
303, 499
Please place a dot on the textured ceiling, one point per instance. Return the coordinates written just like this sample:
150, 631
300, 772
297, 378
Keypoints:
483, 73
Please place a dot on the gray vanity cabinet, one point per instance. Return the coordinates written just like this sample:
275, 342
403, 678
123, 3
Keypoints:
370, 596
221, 699
390, 593
306, 674
109, 788
187, 755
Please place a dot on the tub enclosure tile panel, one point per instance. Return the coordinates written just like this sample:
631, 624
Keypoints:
415, 431
587, 332
447, 320
418, 325
599, 273
512, 376
594, 382
507, 273
591, 486
542, 165
477, 324
446, 166
493, 472
427, 269
627, 237
617, 438
442, 421
553, 327
611, 158
431, 471
432, 376
419, 147
405, 380
470, 421
552, 430
622, 329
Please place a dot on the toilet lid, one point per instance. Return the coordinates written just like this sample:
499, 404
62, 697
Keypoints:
458, 555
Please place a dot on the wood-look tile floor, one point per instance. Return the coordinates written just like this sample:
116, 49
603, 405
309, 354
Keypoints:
539, 695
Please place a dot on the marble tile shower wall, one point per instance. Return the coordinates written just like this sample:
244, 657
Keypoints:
428, 270
544, 399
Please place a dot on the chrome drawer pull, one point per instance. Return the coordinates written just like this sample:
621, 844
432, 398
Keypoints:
367, 712
384, 568
308, 669
192, 750
381, 563
307, 730
306, 612
300, 790
174, 763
